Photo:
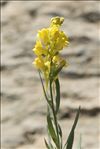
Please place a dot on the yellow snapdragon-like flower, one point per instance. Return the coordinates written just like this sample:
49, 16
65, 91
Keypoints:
39, 50
43, 36
50, 41
39, 63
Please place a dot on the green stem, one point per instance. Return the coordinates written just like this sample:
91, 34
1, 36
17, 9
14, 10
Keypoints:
54, 115
49, 139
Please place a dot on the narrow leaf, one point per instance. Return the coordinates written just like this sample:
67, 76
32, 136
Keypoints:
48, 101
70, 139
60, 133
47, 145
57, 95
51, 130
76, 119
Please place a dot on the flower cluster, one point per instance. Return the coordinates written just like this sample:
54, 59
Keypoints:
50, 41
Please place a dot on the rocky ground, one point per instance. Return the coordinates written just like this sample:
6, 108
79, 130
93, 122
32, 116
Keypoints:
23, 108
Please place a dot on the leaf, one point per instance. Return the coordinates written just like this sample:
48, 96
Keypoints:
51, 130
57, 95
70, 140
47, 145
48, 101
60, 133
69, 143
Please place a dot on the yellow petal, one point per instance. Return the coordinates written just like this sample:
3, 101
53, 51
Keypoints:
44, 35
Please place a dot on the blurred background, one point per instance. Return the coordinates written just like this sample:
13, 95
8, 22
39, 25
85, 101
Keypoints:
23, 107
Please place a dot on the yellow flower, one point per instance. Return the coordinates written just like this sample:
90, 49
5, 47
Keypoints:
38, 62
58, 39
50, 41
62, 41
54, 33
57, 21
39, 50
56, 59
43, 36
47, 64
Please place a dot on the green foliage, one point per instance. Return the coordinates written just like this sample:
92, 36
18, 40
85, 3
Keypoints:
57, 95
54, 129
69, 143
60, 133
51, 129
46, 97
47, 145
